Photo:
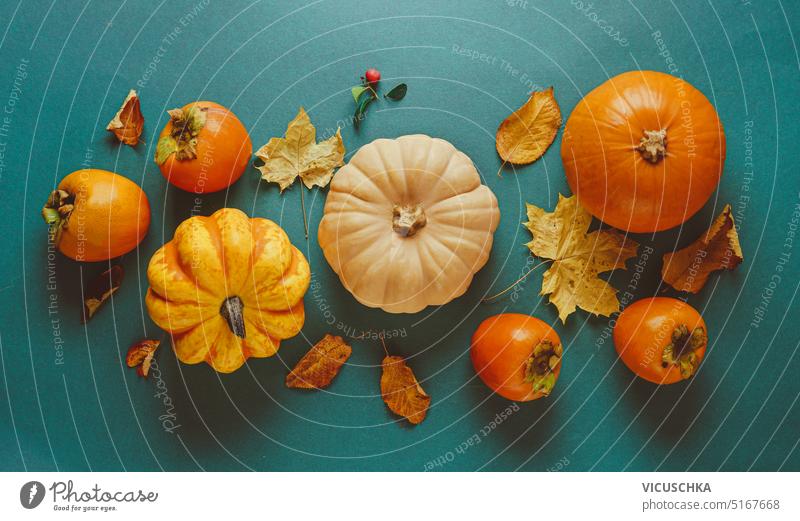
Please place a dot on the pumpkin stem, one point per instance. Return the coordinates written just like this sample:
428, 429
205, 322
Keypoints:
682, 351
56, 212
182, 138
540, 367
653, 145
232, 311
408, 219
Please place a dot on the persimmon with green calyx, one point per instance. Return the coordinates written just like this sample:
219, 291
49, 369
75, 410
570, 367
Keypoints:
517, 356
203, 148
96, 215
661, 339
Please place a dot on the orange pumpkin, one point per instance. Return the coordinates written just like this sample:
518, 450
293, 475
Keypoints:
227, 288
203, 148
643, 151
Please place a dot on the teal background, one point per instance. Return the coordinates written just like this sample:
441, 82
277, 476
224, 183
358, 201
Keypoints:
264, 60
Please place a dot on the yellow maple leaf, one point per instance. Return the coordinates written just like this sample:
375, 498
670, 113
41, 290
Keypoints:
717, 249
578, 257
299, 154
528, 132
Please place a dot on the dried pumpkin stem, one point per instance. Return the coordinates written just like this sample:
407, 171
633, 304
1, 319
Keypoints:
408, 219
682, 350
540, 367
653, 145
232, 310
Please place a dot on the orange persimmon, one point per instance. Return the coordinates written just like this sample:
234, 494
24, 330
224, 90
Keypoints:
661, 339
203, 148
517, 356
97, 215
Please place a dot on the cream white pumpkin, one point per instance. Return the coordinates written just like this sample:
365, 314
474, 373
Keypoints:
407, 223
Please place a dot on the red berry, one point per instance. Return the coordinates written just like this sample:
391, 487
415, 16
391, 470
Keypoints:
372, 76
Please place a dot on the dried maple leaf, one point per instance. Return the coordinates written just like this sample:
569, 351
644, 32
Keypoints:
140, 355
99, 290
401, 392
128, 123
320, 365
578, 257
717, 249
299, 154
528, 132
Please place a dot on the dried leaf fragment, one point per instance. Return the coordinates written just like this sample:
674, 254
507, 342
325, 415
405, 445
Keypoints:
525, 135
717, 248
578, 257
299, 154
128, 122
99, 290
401, 392
140, 355
320, 365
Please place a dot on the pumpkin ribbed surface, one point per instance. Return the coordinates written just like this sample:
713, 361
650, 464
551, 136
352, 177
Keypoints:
227, 287
643, 151
407, 223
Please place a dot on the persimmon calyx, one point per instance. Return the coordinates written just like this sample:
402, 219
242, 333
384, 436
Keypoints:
653, 145
408, 219
540, 367
56, 212
681, 352
232, 310
182, 138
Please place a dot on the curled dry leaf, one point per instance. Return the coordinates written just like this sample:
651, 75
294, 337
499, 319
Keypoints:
128, 123
299, 154
320, 365
578, 257
401, 392
99, 290
527, 133
140, 355
717, 249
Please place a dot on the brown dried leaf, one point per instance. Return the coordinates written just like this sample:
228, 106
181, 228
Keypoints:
401, 391
128, 123
717, 249
99, 290
140, 355
320, 365
529, 131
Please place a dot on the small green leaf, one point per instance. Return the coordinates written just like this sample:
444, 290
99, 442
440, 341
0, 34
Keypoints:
397, 93
166, 147
364, 100
357, 91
